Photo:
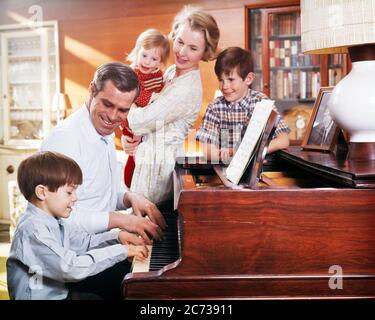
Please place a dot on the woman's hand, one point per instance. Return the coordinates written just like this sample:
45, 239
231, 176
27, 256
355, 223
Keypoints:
130, 144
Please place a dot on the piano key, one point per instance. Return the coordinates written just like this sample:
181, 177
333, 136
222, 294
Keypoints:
161, 253
142, 265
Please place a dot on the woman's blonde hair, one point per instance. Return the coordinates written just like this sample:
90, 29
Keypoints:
199, 21
151, 38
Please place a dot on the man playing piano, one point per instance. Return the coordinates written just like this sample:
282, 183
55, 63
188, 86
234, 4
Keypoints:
87, 137
227, 117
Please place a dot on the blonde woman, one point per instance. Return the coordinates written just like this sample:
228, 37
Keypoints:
164, 124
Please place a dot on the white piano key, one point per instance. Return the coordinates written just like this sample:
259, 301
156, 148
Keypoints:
142, 265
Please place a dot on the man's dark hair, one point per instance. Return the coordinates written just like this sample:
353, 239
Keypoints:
122, 76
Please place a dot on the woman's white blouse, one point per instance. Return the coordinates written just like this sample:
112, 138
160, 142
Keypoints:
164, 125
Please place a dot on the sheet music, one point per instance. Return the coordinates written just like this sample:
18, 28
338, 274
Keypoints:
253, 132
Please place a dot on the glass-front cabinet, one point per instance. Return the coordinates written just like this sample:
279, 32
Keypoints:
282, 71
292, 76
29, 82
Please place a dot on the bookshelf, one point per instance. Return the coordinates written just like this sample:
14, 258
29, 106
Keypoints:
283, 72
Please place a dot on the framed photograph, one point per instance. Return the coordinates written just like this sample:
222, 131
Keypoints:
321, 132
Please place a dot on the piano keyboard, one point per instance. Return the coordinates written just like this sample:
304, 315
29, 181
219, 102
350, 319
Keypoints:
164, 252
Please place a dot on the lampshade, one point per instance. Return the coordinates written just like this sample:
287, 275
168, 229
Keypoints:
331, 26
346, 26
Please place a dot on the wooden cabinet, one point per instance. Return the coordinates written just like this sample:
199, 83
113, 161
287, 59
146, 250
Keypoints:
10, 198
29, 82
283, 72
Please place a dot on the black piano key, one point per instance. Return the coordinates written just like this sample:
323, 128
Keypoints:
167, 251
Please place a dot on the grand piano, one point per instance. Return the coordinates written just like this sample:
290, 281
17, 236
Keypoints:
305, 229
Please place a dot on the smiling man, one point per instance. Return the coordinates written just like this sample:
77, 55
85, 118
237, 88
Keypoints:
87, 137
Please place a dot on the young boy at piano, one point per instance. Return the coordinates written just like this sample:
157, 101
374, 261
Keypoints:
47, 251
227, 116
151, 52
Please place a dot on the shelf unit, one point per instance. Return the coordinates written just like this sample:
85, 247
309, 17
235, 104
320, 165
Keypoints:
29, 79
283, 72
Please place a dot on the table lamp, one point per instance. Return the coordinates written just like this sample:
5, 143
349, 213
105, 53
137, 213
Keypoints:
347, 26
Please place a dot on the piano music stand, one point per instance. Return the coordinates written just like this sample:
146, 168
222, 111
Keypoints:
252, 173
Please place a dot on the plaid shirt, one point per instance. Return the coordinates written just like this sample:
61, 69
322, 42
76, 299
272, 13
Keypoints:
224, 124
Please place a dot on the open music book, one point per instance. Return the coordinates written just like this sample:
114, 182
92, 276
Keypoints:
253, 145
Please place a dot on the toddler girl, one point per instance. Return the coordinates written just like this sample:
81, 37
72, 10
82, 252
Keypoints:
151, 51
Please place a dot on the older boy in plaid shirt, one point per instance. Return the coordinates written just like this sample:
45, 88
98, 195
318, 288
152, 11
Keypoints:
227, 117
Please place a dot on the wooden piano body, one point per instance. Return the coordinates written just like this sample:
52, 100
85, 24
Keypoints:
296, 235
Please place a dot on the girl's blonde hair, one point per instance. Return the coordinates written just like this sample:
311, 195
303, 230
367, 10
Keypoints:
199, 21
151, 38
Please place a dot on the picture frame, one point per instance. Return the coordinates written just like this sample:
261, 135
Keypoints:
322, 132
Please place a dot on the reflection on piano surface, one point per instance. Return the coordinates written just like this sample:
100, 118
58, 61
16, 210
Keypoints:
278, 239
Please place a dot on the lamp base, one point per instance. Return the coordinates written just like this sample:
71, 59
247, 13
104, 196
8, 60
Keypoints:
361, 151
352, 103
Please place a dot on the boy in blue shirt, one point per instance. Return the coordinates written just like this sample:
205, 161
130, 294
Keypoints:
46, 251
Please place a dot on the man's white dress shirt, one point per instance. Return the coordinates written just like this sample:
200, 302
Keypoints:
101, 190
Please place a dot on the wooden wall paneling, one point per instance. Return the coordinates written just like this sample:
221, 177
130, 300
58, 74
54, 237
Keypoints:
92, 32
97, 42
101, 9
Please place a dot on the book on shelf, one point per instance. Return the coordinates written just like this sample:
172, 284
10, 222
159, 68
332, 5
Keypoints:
258, 55
287, 53
336, 59
294, 53
295, 84
334, 76
285, 24
302, 84
256, 24
272, 53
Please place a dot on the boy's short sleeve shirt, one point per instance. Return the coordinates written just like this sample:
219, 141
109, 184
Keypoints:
224, 124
